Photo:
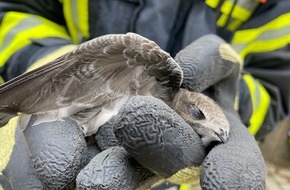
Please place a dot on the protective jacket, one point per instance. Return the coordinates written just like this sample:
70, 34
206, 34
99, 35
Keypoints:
33, 32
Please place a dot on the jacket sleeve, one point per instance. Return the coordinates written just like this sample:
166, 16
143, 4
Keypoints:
33, 33
263, 43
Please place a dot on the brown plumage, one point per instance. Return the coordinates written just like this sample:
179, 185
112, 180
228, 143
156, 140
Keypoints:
91, 83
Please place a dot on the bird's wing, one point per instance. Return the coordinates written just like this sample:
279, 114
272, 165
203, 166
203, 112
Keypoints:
101, 69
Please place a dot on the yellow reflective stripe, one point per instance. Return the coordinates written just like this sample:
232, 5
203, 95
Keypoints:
76, 16
189, 186
260, 103
265, 46
83, 17
237, 13
234, 24
7, 142
245, 36
69, 20
244, 9
18, 29
51, 56
269, 37
1, 80
227, 7
184, 187
212, 3
222, 20
240, 13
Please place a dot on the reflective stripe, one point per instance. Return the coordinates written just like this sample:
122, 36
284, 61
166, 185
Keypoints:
51, 56
260, 103
189, 186
1, 80
233, 15
7, 142
12, 30
241, 13
246, 7
222, 20
185, 187
245, 36
271, 36
76, 16
18, 29
212, 3
227, 7
234, 24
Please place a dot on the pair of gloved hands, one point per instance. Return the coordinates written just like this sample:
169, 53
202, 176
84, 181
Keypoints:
146, 142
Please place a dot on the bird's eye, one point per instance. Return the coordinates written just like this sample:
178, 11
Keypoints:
196, 113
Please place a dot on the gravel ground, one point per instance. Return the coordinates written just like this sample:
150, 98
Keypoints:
276, 151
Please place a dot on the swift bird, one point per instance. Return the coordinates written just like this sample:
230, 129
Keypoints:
91, 83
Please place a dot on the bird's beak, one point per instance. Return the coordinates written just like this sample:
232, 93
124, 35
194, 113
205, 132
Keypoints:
223, 136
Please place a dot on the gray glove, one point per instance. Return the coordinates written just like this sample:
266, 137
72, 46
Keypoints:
162, 142
156, 143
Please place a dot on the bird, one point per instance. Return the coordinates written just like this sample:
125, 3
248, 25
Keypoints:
92, 82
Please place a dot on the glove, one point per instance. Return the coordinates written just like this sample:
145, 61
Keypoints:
160, 141
187, 152
45, 156
142, 136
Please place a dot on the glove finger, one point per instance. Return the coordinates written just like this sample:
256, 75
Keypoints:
114, 169
157, 137
237, 164
205, 62
19, 172
4, 183
105, 137
58, 151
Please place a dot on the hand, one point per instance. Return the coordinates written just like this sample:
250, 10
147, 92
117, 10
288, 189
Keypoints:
48, 155
152, 133
239, 162
165, 156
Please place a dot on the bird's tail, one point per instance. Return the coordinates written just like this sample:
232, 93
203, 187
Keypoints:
5, 115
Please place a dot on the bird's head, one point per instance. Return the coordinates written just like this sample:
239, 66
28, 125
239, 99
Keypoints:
203, 115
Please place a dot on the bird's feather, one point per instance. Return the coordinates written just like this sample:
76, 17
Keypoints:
97, 73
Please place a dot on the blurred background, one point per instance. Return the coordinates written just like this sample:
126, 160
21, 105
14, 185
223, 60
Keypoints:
276, 151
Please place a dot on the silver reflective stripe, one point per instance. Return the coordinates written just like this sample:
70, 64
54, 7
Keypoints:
250, 5
239, 47
75, 18
264, 36
23, 25
272, 34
